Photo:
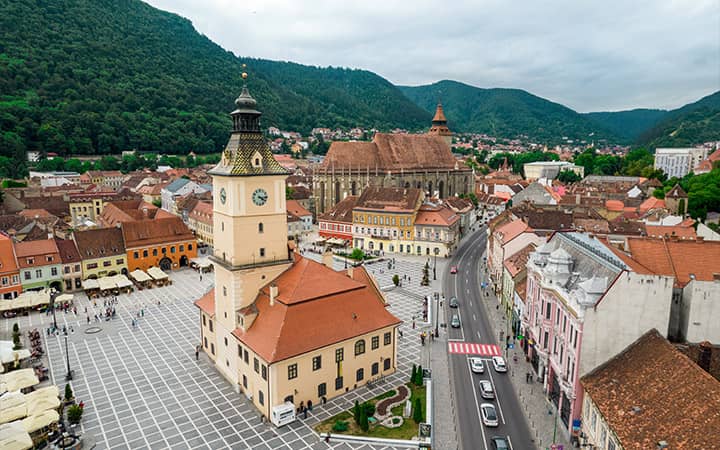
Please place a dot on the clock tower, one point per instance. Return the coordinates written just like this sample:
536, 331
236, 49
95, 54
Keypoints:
249, 225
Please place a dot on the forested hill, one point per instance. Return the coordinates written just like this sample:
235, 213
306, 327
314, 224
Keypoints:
692, 124
506, 113
101, 76
628, 125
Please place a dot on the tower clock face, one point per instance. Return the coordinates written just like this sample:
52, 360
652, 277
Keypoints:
223, 195
259, 197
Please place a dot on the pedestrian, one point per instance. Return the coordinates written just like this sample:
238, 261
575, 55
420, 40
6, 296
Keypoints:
142, 312
327, 438
305, 412
197, 353
400, 331
413, 323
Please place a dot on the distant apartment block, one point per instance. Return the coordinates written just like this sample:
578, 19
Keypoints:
550, 169
678, 162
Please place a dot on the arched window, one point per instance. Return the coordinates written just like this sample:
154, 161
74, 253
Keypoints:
360, 347
441, 189
353, 188
261, 227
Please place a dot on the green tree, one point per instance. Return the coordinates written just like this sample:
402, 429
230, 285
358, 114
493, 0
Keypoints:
357, 254
396, 280
418, 415
568, 176
364, 424
413, 373
419, 376
74, 414
356, 412
68, 392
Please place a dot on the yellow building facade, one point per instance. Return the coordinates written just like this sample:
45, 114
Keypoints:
255, 322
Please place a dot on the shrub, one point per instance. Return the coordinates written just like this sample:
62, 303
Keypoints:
16, 341
419, 376
417, 411
369, 409
357, 254
413, 375
364, 424
396, 420
356, 412
396, 280
74, 414
16, 328
340, 426
68, 392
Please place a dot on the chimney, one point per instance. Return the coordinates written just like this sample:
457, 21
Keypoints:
700, 238
705, 356
145, 212
350, 270
273, 293
327, 258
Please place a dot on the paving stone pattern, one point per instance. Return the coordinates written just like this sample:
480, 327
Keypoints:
143, 388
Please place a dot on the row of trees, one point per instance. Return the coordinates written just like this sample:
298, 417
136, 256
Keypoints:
127, 163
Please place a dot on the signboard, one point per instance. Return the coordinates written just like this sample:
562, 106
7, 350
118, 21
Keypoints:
511, 346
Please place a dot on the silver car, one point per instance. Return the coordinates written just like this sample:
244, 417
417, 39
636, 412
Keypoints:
455, 322
489, 415
486, 390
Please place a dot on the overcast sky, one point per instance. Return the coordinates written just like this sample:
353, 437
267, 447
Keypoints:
589, 55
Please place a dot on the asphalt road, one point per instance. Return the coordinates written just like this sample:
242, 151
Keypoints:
475, 328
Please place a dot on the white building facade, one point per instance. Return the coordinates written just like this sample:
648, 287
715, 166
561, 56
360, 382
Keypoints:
678, 162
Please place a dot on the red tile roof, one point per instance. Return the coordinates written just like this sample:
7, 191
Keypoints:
36, 249
35, 213
308, 292
294, 207
389, 199
152, 232
69, 253
651, 392
672, 257
614, 205
8, 263
517, 261
511, 230
342, 212
667, 231
391, 152
440, 216
651, 203
207, 302
100, 242
203, 212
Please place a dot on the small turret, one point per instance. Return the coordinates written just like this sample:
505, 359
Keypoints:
439, 125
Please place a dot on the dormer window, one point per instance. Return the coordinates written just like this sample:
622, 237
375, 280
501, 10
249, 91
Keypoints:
257, 160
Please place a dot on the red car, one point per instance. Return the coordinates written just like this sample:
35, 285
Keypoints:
453, 269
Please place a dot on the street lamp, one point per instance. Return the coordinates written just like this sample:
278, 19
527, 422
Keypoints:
69, 375
435, 263
437, 313
53, 296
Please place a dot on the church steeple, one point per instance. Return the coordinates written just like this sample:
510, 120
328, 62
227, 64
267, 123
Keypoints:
439, 125
247, 153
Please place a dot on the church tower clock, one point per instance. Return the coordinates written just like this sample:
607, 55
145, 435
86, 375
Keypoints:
249, 224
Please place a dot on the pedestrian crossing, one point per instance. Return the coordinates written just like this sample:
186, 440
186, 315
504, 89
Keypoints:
466, 348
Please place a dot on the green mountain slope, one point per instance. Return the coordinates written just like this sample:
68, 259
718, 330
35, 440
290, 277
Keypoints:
694, 123
506, 113
100, 76
628, 125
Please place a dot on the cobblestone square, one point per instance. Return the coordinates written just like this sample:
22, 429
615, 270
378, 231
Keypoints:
143, 388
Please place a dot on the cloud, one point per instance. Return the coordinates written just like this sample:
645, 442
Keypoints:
590, 56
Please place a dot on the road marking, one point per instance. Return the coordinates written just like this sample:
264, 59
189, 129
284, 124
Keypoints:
477, 405
474, 318
455, 340
478, 334
469, 348
509, 442
497, 397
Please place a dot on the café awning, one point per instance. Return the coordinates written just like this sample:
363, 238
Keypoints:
14, 437
140, 276
38, 421
157, 274
90, 284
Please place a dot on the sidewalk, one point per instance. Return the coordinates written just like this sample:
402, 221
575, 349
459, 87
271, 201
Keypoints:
540, 413
436, 356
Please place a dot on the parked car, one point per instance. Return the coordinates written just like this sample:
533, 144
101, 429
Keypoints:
455, 322
500, 443
486, 390
453, 269
453, 302
499, 364
476, 365
489, 415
